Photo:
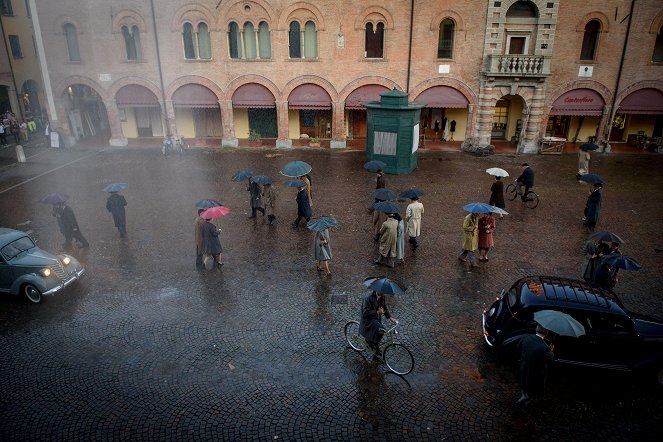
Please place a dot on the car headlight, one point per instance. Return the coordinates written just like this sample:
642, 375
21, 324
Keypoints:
46, 272
66, 260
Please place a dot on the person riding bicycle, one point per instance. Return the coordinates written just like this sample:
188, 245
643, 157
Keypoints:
525, 179
370, 326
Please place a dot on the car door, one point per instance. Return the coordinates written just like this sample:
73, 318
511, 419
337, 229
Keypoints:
6, 275
611, 342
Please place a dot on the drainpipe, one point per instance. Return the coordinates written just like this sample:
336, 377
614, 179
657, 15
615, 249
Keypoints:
409, 52
619, 73
163, 90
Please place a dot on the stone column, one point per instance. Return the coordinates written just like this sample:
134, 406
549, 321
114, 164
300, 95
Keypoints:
485, 115
117, 137
169, 117
228, 124
535, 112
283, 139
338, 140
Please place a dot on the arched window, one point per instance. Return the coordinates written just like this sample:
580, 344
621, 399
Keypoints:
590, 40
71, 36
132, 42
204, 43
249, 41
264, 40
658, 47
234, 40
295, 40
310, 40
187, 40
445, 42
374, 44
522, 9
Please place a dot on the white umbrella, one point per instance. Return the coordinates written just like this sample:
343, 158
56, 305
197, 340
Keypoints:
496, 171
499, 211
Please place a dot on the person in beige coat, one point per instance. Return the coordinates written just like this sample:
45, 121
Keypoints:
378, 219
583, 162
269, 199
413, 218
470, 238
388, 237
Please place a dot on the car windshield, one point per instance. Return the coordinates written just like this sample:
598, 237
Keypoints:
15, 248
511, 297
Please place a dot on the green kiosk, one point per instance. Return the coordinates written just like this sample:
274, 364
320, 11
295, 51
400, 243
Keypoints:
392, 134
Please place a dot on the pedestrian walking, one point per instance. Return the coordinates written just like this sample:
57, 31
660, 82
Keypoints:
380, 180
23, 127
497, 194
604, 276
211, 242
400, 239
307, 179
198, 235
593, 206
69, 225
378, 219
413, 217
486, 229
15, 130
3, 135
322, 250
269, 199
255, 193
303, 207
115, 204
535, 357
583, 162
470, 239
388, 238
590, 250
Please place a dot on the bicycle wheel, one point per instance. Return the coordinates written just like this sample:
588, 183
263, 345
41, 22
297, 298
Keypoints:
531, 200
355, 340
511, 192
398, 358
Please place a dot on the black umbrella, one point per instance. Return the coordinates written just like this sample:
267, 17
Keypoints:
295, 183
387, 207
411, 193
374, 165
383, 285
261, 179
606, 236
620, 261
559, 322
207, 203
54, 198
321, 223
242, 175
384, 194
592, 178
589, 146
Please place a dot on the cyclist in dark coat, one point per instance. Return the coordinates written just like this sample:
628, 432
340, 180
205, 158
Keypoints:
370, 325
526, 179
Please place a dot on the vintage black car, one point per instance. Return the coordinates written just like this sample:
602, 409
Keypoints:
615, 339
26, 269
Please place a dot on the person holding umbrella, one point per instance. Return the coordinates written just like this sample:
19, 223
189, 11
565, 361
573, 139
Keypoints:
198, 235
583, 162
115, 204
255, 193
269, 196
321, 242
535, 357
497, 188
373, 307
486, 229
378, 219
211, 243
470, 238
303, 206
593, 206
388, 237
413, 218
69, 225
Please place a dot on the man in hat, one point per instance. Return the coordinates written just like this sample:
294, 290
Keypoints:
526, 179
413, 218
388, 236
303, 206
115, 205
373, 308
593, 206
69, 225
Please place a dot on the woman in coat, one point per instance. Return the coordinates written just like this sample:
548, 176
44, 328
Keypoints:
211, 242
486, 229
497, 194
470, 238
322, 250
256, 198
400, 239
303, 207
593, 206
583, 162
269, 198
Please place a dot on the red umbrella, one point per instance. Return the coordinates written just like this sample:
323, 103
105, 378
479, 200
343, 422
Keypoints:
215, 212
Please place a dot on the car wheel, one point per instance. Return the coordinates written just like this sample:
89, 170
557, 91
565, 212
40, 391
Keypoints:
32, 293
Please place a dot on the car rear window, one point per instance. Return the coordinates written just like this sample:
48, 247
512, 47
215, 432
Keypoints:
17, 247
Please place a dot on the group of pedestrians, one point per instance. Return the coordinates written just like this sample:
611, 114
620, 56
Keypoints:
594, 269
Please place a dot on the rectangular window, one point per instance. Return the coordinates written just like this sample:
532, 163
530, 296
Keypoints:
7, 7
15, 46
385, 143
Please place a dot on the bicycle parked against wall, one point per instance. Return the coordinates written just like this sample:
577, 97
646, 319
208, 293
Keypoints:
397, 357
514, 190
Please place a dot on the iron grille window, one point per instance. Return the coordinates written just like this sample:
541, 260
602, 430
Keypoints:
446, 39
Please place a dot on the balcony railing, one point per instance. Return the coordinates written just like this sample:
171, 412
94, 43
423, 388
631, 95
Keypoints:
505, 65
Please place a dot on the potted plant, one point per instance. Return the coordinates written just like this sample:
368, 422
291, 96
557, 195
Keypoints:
314, 142
254, 138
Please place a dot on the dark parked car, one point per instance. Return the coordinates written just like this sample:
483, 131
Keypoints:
26, 269
615, 339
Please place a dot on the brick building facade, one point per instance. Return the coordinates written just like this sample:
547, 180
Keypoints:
288, 70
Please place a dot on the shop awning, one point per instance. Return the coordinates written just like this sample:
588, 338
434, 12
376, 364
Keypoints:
135, 95
309, 96
194, 95
253, 95
579, 102
443, 97
644, 101
369, 92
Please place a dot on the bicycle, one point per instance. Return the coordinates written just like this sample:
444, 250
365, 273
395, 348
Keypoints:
173, 145
397, 357
531, 197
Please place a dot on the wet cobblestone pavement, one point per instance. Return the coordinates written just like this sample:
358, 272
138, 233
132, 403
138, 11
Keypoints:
145, 347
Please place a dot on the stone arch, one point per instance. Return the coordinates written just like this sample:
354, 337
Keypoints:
125, 81
234, 11
540, 5
364, 81
195, 79
251, 78
77, 79
457, 18
193, 13
129, 18
601, 89
372, 14
656, 23
58, 24
596, 15
313, 79
302, 12
451, 82
645, 84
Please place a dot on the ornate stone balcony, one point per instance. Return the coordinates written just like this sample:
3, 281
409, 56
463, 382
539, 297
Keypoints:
522, 66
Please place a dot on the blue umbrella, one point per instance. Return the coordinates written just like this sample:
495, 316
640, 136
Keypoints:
591, 178
387, 207
411, 193
296, 168
620, 261
383, 285
54, 198
295, 183
560, 323
207, 203
242, 175
384, 194
321, 223
374, 165
261, 179
115, 187
589, 146
604, 235
478, 208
